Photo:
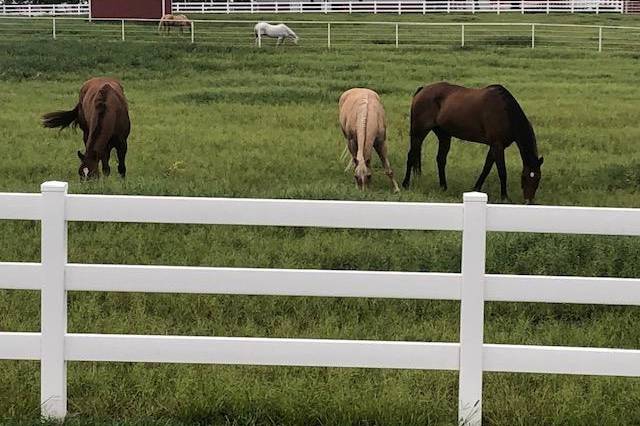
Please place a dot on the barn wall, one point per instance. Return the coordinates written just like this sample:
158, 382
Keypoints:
118, 9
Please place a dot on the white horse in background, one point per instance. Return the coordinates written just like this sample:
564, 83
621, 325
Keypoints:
280, 31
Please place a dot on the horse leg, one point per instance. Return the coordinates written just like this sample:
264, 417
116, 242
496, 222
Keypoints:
444, 143
279, 41
498, 155
121, 149
106, 155
488, 164
414, 155
381, 149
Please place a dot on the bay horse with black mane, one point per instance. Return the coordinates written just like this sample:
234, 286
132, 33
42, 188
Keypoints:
103, 116
490, 115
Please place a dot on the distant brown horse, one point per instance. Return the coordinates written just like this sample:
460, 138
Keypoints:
178, 21
103, 116
363, 125
490, 115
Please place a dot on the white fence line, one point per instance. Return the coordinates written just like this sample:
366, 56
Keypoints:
471, 356
353, 6
336, 34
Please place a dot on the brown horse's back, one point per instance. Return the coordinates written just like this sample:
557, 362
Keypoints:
103, 109
476, 115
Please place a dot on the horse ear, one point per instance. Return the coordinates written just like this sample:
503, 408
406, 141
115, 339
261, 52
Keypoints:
540, 161
80, 155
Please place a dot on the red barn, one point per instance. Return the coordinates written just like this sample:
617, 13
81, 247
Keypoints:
121, 9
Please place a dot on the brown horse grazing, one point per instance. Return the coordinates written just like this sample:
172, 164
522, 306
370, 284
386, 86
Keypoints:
490, 115
103, 116
363, 125
179, 21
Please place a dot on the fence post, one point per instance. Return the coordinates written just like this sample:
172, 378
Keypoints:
548, 7
473, 7
53, 301
522, 6
448, 6
123, 30
597, 8
375, 7
599, 39
533, 36
572, 6
498, 7
397, 36
472, 308
193, 32
462, 36
399, 7
249, 3
424, 7
328, 35
349, 8
54, 28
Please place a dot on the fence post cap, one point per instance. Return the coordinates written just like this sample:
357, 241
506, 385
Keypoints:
54, 186
475, 197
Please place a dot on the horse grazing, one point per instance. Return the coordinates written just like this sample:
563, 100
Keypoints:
103, 116
179, 21
280, 31
362, 120
490, 116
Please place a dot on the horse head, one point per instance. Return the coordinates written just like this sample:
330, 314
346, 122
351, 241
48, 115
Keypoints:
531, 175
88, 166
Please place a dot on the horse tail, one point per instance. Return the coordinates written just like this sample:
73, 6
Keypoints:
98, 128
61, 119
414, 161
361, 135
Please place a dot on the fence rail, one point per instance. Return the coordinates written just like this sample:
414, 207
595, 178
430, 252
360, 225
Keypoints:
354, 6
334, 34
54, 277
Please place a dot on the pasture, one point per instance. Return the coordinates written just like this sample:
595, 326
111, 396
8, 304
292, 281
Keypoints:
212, 120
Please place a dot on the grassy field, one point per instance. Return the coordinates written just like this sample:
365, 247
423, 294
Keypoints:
239, 122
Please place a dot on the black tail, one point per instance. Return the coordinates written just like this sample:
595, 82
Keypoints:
61, 119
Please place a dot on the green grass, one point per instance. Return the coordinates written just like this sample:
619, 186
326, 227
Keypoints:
233, 121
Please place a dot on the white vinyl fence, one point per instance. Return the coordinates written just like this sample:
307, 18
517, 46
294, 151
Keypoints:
54, 277
354, 6
404, 6
335, 34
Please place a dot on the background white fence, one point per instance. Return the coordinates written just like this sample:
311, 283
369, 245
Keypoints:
53, 346
353, 6
335, 34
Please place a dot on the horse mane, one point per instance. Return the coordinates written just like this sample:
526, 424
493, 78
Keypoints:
521, 127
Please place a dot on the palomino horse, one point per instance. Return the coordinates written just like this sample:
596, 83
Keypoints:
363, 125
280, 31
490, 116
103, 116
168, 21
